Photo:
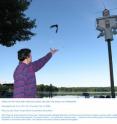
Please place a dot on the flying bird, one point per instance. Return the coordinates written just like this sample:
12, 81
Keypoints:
54, 26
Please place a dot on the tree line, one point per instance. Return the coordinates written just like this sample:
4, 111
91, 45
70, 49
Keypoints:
6, 90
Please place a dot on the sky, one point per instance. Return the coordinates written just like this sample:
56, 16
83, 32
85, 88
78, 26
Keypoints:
82, 59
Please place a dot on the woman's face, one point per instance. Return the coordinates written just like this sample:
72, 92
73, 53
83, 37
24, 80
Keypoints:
29, 59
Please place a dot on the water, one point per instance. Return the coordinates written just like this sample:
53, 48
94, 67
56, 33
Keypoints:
73, 96
70, 96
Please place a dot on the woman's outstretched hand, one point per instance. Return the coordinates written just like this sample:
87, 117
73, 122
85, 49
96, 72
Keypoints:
53, 50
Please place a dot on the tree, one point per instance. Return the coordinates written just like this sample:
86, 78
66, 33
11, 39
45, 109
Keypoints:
14, 25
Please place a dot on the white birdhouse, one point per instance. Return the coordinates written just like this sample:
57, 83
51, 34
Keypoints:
107, 25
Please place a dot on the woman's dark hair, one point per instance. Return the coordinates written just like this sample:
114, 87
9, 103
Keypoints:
23, 54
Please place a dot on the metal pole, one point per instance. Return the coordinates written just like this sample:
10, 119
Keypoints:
111, 69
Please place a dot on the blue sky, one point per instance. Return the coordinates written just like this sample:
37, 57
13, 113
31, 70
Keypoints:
82, 59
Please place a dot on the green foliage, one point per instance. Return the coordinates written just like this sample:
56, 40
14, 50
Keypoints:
42, 88
85, 89
46, 90
14, 25
6, 90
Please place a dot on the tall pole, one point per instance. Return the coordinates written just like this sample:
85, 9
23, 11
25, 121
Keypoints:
107, 25
111, 69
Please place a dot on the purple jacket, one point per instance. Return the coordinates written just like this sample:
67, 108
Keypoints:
24, 77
